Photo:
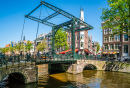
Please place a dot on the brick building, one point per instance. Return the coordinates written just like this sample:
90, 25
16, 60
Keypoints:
115, 46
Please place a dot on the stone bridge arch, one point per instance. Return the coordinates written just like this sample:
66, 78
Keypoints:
25, 74
17, 75
79, 66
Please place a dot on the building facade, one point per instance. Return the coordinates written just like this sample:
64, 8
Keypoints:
115, 45
90, 45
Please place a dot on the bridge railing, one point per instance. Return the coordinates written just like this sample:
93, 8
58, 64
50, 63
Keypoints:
6, 60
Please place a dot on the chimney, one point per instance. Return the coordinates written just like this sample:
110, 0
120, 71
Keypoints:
81, 14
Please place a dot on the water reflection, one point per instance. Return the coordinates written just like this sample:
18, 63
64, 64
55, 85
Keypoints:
87, 79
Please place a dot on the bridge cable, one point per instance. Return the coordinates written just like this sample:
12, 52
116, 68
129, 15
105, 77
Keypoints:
38, 22
37, 29
48, 13
22, 29
22, 32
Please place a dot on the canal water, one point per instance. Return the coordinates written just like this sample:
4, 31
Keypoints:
87, 79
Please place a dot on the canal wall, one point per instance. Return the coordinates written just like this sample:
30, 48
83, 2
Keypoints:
79, 66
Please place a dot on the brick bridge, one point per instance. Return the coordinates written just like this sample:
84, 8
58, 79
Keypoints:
29, 73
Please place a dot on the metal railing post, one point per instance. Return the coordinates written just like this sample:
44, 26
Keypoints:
25, 60
35, 61
12, 61
18, 61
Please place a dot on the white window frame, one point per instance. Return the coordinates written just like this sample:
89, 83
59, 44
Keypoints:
110, 47
105, 47
105, 31
82, 36
110, 37
110, 31
117, 46
81, 44
77, 37
118, 38
106, 39
77, 44
124, 39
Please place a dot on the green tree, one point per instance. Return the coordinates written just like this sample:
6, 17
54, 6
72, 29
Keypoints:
19, 47
0, 49
11, 48
4, 50
41, 46
117, 17
98, 47
61, 39
29, 46
66, 47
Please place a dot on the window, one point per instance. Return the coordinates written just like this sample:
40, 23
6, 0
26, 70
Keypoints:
116, 46
125, 48
68, 39
117, 37
106, 47
70, 45
125, 37
77, 38
110, 31
111, 38
77, 44
81, 44
106, 39
105, 31
82, 36
111, 47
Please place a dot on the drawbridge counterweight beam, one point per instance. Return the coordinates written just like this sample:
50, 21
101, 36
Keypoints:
62, 25
40, 21
51, 16
34, 9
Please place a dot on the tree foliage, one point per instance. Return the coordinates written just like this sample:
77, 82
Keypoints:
29, 46
0, 49
19, 47
117, 16
98, 47
41, 46
60, 39
4, 50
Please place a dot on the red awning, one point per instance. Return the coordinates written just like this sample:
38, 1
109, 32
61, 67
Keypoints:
63, 52
88, 51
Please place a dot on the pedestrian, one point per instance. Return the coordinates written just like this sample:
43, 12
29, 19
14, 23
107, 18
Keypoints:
29, 55
38, 54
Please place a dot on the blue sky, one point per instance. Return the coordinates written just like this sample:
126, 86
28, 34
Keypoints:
12, 17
